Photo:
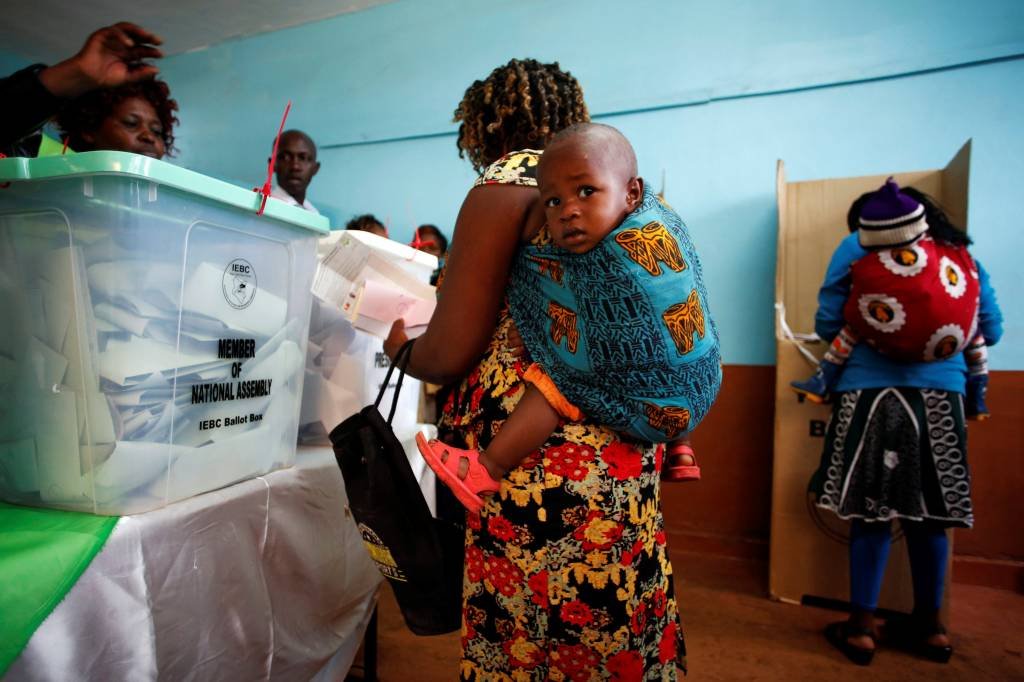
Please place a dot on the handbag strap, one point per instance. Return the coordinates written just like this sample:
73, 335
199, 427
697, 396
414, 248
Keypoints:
401, 360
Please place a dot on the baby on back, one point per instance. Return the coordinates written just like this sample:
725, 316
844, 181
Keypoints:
613, 314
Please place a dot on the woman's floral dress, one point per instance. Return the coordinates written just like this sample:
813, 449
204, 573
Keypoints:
567, 575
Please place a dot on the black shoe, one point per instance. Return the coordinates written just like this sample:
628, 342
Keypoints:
838, 635
911, 635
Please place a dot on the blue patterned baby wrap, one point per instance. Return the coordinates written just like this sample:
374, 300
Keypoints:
624, 330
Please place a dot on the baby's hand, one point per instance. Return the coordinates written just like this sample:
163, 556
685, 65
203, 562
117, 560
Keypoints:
396, 338
514, 342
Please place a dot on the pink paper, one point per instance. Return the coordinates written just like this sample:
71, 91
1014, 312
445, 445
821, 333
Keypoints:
387, 303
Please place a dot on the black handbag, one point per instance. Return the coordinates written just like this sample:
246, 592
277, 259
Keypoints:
420, 556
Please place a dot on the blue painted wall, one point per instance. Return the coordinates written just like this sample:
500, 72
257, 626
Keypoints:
710, 93
399, 69
719, 161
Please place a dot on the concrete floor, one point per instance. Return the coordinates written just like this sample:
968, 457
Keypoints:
733, 632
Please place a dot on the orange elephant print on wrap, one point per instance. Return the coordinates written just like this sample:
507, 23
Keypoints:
650, 246
563, 326
683, 321
671, 420
548, 266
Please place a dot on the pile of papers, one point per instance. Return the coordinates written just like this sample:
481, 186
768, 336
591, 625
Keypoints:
360, 274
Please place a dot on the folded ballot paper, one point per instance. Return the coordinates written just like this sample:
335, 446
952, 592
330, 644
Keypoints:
364, 276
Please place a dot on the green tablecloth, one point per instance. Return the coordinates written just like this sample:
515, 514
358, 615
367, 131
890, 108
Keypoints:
42, 553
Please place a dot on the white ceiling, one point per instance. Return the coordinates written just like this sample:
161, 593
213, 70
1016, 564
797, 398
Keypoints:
50, 30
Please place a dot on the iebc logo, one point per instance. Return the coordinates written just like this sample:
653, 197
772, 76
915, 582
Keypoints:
239, 283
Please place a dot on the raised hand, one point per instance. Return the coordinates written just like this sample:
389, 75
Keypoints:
110, 57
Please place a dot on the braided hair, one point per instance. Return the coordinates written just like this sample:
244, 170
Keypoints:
519, 105
85, 114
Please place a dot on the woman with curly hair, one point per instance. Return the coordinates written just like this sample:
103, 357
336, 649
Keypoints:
138, 117
566, 574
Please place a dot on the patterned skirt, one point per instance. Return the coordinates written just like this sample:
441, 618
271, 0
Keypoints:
567, 575
896, 453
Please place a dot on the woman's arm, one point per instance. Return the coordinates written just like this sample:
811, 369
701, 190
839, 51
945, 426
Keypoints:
487, 235
990, 317
836, 289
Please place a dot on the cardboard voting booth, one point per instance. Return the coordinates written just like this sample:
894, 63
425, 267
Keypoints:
809, 558
155, 330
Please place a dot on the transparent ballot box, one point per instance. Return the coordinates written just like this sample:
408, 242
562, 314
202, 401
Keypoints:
154, 331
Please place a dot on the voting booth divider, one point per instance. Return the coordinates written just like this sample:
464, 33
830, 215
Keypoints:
809, 558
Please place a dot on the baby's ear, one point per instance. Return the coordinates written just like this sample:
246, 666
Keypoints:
634, 192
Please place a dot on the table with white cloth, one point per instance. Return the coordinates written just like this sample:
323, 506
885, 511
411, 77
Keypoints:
267, 579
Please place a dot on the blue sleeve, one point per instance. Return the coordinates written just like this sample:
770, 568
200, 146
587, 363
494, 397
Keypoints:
836, 289
990, 317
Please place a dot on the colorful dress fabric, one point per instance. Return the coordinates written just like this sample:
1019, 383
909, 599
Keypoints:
567, 575
624, 330
917, 302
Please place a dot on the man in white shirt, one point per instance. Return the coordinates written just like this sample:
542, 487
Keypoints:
295, 167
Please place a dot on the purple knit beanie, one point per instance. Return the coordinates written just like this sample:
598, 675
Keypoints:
890, 218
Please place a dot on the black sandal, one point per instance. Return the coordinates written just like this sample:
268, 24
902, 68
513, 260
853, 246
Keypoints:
838, 635
911, 635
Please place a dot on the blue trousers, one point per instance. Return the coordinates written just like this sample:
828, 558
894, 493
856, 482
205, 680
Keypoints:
869, 550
